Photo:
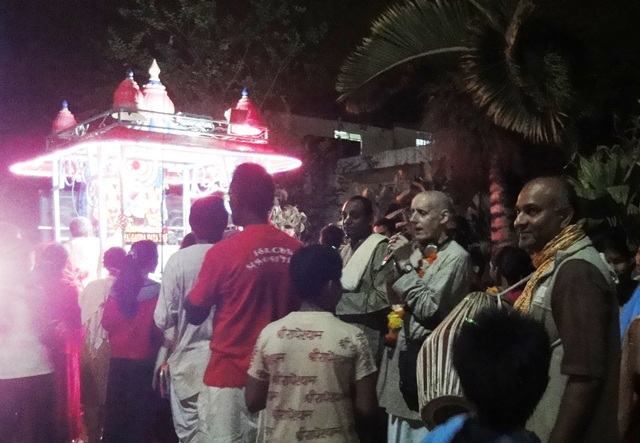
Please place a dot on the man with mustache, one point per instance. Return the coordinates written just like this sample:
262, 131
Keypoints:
364, 297
573, 295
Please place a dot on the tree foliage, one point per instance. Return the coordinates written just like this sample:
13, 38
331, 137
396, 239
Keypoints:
210, 50
535, 67
608, 182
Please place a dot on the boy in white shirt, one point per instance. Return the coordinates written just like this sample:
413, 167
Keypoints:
313, 374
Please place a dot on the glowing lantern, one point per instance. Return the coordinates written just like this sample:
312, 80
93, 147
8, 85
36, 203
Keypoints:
244, 119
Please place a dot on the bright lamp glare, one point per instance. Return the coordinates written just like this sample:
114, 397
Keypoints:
245, 130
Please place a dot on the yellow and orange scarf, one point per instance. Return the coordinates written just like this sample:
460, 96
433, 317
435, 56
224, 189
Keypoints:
544, 260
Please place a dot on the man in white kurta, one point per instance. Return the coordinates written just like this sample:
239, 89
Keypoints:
191, 352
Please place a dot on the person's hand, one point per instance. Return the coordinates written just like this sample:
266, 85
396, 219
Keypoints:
400, 247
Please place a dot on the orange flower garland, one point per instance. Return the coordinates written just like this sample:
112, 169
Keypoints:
397, 311
429, 259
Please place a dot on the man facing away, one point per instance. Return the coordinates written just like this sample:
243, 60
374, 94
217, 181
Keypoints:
83, 249
364, 298
314, 373
95, 354
208, 219
429, 285
573, 295
246, 277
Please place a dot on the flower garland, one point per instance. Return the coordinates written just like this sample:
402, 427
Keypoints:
397, 311
428, 259
394, 324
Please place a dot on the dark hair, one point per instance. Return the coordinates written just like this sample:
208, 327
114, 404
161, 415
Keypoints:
478, 260
51, 259
513, 264
332, 236
565, 193
366, 204
132, 276
188, 240
80, 227
253, 188
311, 268
388, 223
113, 259
502, 358
614, 240
208, 218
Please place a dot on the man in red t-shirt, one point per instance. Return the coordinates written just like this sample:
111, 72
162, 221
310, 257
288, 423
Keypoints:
246, 278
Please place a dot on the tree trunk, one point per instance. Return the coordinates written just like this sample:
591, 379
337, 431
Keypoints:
501, 216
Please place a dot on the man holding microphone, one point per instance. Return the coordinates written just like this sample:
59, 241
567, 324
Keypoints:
431, 277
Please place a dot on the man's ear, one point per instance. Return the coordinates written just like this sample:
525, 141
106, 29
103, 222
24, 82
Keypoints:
445, 216
566, 215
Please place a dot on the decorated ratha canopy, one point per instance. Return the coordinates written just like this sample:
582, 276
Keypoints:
127, 157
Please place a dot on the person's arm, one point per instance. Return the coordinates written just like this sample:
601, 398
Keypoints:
582, 308
579, 399
366, 401
111, 316
200, 299
373, 287
255, 394
629, 377
258, 378
196, 315
165, 314
431, 298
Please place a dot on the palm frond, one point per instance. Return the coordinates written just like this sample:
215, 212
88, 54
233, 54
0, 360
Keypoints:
523, 87
413, 31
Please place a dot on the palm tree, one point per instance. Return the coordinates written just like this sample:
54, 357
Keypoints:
523, 87
517, 71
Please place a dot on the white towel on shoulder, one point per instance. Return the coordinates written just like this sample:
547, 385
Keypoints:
354, 269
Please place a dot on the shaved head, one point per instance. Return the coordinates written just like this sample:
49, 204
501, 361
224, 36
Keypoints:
557, 188
544, 208
430, 213
438, 199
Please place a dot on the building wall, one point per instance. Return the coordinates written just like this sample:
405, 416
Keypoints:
375, 140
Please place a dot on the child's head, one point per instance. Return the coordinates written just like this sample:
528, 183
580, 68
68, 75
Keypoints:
502, 358
208, 218
80, 227
113, 259
384, 226
315, 273
332, 236
513, 264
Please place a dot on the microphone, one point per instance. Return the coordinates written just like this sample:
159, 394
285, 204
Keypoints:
388, 256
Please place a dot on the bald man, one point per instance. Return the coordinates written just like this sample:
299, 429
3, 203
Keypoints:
429, 285
573, 295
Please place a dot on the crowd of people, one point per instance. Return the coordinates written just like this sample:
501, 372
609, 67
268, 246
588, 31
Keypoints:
252, 336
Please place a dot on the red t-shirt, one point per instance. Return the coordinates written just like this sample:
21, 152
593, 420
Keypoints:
246, 277
135, 338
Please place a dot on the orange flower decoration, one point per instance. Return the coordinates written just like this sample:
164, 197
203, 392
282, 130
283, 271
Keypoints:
429, 259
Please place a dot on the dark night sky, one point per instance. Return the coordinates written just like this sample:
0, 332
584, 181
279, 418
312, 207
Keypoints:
50, 51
